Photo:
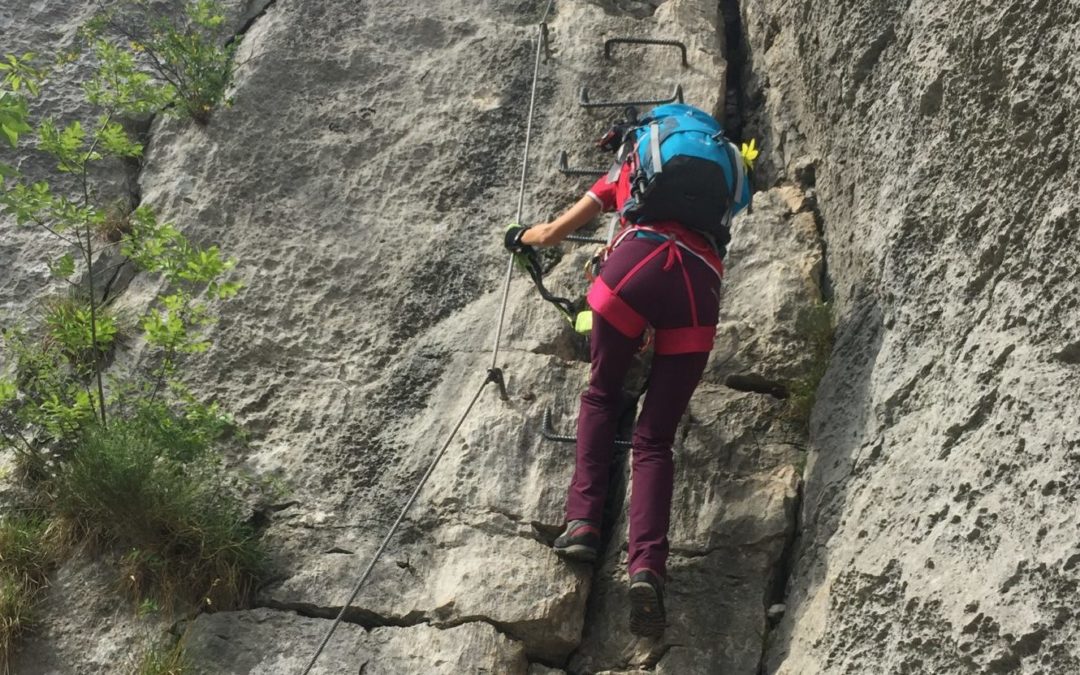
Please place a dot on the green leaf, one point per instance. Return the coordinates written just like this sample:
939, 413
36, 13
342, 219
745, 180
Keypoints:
71, 138
64, 267
15, 119
114, 140
227, 290
8, 391
11, 135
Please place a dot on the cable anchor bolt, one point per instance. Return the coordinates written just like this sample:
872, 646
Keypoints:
496, 375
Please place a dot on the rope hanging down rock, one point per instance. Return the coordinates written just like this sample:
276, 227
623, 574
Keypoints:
494, 373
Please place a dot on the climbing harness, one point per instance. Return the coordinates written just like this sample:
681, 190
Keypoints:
494, 373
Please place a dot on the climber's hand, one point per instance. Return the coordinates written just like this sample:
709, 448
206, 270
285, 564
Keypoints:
512, 239
525, 256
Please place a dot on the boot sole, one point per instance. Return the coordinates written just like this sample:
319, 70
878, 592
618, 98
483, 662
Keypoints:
646, 614
578, 552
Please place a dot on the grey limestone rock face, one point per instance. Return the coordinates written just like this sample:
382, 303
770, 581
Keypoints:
476, 548
776, 271
362, 177
939, 519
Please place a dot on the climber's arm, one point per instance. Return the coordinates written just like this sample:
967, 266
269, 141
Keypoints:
549, 234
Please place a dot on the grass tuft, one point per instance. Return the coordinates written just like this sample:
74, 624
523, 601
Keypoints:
155, 487
816, 325
28, 549
16, 615
163, 659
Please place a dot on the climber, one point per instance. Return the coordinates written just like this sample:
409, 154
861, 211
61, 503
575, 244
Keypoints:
673, 193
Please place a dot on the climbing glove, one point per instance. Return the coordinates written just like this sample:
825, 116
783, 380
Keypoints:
525, 256
512, 239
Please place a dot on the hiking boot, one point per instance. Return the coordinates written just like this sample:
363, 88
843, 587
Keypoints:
579, 541
647, 618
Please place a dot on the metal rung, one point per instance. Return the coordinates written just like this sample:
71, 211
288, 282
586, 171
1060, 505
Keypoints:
549, 433
584, 102
564, 168
644, 41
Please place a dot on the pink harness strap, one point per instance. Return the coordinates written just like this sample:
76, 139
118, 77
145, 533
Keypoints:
615, 310
645, 261
688, 340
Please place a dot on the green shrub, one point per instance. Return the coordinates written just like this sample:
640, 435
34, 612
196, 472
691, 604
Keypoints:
133, 466
153, 485
181, 63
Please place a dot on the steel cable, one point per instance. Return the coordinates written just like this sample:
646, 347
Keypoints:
524, 174
394, 528
494, 374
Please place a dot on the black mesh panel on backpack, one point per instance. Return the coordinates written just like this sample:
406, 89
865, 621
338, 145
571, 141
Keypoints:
691, 191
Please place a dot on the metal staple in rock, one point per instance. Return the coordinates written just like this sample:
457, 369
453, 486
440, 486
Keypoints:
494, 374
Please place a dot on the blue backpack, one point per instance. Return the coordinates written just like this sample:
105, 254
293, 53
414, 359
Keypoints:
686, 170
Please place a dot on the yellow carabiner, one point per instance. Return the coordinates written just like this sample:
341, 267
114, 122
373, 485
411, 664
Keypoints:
583, 322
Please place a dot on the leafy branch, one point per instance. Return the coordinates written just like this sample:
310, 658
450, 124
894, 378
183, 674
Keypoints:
181, 64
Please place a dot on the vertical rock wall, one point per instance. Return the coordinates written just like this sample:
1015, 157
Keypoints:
362, 177
939, 525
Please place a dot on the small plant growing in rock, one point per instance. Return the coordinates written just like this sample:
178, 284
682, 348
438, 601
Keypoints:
163, 659
816, 326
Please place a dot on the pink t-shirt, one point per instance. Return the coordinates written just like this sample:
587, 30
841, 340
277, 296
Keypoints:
612, 195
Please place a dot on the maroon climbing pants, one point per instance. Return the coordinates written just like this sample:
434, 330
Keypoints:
677, 294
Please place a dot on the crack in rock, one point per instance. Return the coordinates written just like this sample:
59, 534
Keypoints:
370, 620
255, 15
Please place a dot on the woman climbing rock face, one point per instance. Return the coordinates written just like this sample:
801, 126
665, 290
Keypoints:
675, 194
